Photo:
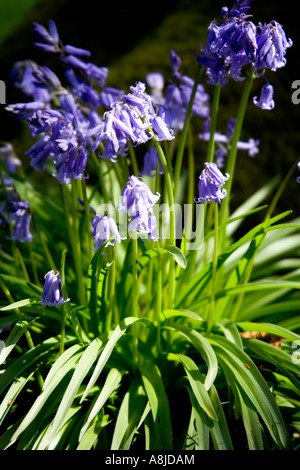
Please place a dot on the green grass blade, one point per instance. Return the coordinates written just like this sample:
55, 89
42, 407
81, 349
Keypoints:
269, 328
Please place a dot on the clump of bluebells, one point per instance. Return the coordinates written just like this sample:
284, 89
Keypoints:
125, 150
87, 117
235, 44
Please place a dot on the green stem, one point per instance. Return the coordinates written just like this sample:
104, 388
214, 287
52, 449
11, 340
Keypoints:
135, 168
87, 214
73, 236
224, 212
183, 135
213, 124
134, 275
41, 237
170, 193
158, 301
214, 269
191, 187
101, 178
281, 189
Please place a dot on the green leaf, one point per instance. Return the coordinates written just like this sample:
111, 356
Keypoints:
12, 339
11, 395
204, 348
169, 313
19, 304
159, 404
242, 372
108, 349
196, 380
220, 433
177, 255
86, 361
129, 416
39, 354
112, 382
51, 386
269, 328
197, 436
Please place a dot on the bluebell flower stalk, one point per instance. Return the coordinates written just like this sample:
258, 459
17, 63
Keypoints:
52, 294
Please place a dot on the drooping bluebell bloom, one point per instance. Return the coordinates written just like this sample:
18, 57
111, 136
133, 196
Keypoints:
230, 46
138, 201
18, 212
104, 228
52, 294
272, 44
151, 159
210, 185
266, 98
223, 142
137, 197
178, 94
8, 156
133, 119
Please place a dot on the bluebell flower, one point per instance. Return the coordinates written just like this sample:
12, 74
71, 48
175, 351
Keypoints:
151, 159
133, 119
223, 142
104, 228
231, 45
210, 185
266, 98
18, 212
138, 201
178, 95
50, 38
52, 295
272, 44
8, 156
137, 197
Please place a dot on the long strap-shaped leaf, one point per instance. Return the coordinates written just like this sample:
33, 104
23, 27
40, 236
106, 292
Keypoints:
112, 382
204, 348
196, 380
37, 407
241, 371
85, 363
159, 404
132, 408
105, 355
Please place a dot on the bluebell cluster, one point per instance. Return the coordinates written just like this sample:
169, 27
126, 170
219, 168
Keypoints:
235, 42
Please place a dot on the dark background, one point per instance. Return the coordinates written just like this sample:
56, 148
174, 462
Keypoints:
133, 38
